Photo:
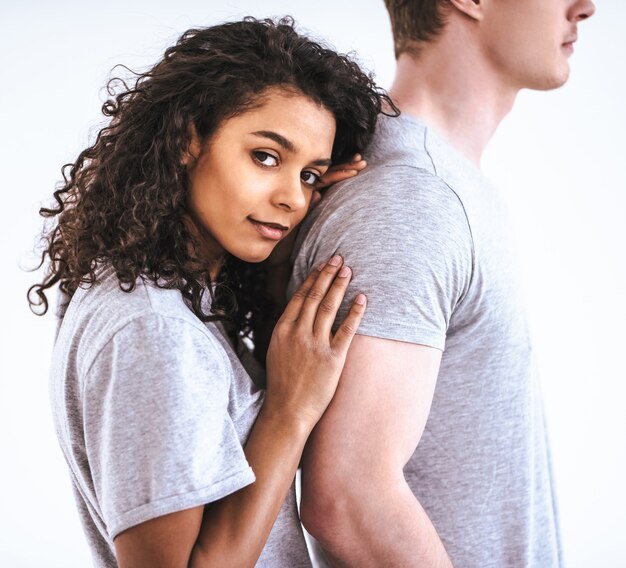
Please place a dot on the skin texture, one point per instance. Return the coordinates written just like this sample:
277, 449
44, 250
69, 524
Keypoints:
236, 175
233, 530
264, 165
466, 81
355, 500
529, 43
360, 507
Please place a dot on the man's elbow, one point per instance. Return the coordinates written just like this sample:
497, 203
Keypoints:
330, 510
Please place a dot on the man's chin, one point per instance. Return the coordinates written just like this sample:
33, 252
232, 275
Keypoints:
552, 82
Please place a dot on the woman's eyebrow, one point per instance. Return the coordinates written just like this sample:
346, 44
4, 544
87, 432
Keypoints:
278, 138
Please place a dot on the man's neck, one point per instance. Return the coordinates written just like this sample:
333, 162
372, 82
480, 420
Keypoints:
455, 91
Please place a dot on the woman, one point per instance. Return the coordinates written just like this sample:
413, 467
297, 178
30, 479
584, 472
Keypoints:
210, 160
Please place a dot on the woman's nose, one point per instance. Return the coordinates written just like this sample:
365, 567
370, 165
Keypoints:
290, 195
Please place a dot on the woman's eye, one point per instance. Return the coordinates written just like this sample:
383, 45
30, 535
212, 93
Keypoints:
265, 159
310, 178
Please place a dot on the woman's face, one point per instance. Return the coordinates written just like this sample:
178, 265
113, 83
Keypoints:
252, 182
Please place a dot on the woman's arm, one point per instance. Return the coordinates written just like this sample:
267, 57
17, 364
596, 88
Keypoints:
304, 363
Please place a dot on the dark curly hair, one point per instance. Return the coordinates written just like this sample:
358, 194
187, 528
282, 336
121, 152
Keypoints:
124, 198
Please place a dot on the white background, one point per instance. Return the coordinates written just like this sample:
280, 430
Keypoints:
560, 157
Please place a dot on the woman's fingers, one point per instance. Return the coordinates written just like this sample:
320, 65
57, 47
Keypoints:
340, 172
335, 176
349, 326
294, 306
315, 304
327, 310
317, 292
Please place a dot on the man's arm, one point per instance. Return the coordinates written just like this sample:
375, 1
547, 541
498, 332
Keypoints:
355, 499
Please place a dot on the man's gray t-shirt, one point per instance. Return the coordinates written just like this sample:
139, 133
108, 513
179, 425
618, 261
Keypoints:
428, 241
152, 408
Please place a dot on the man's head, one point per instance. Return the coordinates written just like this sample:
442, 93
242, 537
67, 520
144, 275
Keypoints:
414, 22
527, 43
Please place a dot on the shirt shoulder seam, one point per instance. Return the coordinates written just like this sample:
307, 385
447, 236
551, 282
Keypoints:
151, 312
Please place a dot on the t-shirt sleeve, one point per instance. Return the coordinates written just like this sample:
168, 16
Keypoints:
158, 434
405, 235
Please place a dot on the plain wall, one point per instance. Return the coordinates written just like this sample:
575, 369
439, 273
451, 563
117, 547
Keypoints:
559, 156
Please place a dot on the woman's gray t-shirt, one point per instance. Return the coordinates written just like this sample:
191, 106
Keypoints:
152, 408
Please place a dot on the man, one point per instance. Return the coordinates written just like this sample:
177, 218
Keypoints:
433, 452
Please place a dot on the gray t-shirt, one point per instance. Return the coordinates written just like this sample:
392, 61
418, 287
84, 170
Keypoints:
428, 240
152, 407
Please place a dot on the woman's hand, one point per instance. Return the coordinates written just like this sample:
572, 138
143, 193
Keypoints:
304, 364
338, 173
304, 359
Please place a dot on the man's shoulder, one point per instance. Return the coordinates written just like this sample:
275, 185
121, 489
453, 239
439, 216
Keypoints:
393, 192
392, 208
398, 172
409, 147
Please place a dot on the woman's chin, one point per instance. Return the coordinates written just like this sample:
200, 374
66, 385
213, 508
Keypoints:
253, 256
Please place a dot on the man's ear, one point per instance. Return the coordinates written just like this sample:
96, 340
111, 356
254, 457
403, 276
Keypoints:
194, 148
471, 8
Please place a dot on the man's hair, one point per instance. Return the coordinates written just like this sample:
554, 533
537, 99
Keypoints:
414, 22
124, 199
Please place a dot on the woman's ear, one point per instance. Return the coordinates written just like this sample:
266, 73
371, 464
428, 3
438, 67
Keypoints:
193, 150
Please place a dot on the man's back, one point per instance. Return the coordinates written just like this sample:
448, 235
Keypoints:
427, 239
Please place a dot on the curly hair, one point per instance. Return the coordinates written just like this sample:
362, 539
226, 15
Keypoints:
123, 200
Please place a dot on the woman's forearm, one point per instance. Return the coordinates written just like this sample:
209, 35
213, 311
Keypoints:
300, 387
235, 529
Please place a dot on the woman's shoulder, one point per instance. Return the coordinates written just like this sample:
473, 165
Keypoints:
117, 303
147, 315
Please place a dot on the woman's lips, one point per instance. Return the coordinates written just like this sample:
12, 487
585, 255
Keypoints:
273, 231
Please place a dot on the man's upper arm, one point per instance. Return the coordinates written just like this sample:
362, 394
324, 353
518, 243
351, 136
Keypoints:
406, 237
377, 416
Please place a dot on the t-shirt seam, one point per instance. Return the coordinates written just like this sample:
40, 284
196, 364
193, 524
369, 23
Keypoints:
469, 225
432, 161
239, 473
442, 186
434, 174
419, 335
144, 313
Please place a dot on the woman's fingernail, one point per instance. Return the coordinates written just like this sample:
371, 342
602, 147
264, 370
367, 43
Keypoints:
335, 260
320, 266
360, 299
357, 158
344, 271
